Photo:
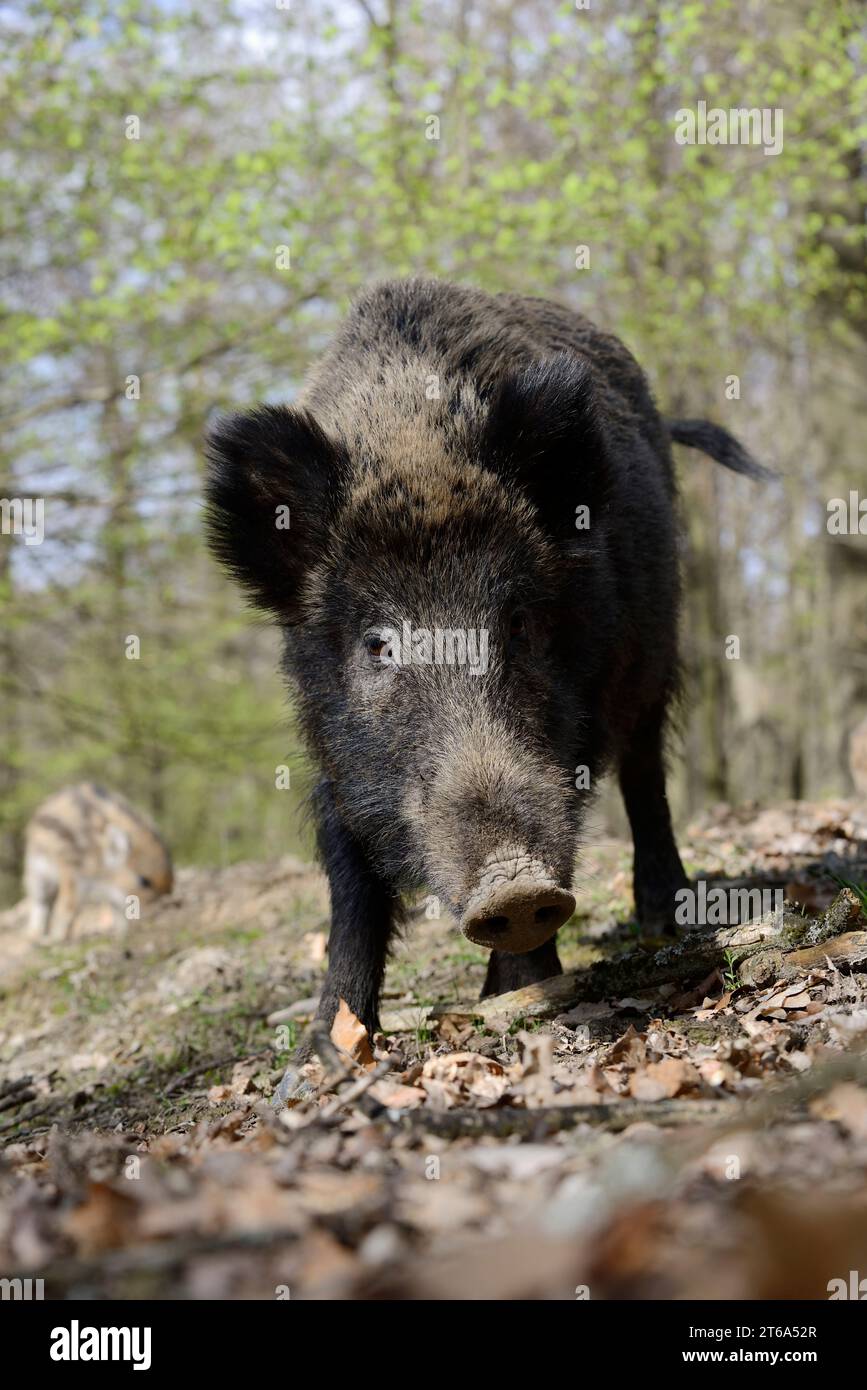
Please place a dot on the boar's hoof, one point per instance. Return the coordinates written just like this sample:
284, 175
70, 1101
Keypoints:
517, 916
292, 1089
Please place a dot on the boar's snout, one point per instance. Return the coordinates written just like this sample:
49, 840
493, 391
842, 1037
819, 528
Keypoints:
497, 820
516, 914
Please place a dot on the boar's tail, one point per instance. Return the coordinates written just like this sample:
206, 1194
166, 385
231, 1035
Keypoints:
719, 444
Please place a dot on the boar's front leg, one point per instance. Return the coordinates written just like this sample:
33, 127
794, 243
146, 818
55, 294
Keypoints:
506, 972
658, 872
362, 915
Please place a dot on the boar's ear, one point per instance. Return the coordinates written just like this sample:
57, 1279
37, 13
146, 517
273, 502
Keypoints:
545, 431
272, 488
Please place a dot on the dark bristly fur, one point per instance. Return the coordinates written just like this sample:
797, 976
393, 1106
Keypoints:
432, 468
720, 445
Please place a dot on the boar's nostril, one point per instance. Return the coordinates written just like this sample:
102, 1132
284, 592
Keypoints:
497, 924
548, 914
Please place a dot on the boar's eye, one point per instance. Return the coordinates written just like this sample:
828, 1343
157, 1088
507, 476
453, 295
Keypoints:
516, 642
378, 646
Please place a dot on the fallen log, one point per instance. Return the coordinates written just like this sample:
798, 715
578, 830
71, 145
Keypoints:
501, 1122
14, 1093
775, 946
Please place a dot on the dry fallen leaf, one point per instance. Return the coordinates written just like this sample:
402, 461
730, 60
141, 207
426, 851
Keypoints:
538, 1078
629, 1049
454, 1031
463, 1077
105, 1220
664, 1080
398, 1097
350, 1035
593, 1086
242, 1077
325, 1193
847, 1104
792, 997
718, 1073
616, 1079
797, 1001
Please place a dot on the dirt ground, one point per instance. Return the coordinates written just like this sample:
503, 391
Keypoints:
702, 1137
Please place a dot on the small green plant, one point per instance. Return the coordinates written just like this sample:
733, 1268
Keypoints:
730, 978
525, 1025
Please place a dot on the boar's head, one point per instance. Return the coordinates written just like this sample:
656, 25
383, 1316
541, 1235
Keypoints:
445, 623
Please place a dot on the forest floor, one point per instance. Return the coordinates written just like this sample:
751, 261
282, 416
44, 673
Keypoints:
704, 1135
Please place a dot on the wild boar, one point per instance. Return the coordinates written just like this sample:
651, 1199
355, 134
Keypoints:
466, 529
86, 844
